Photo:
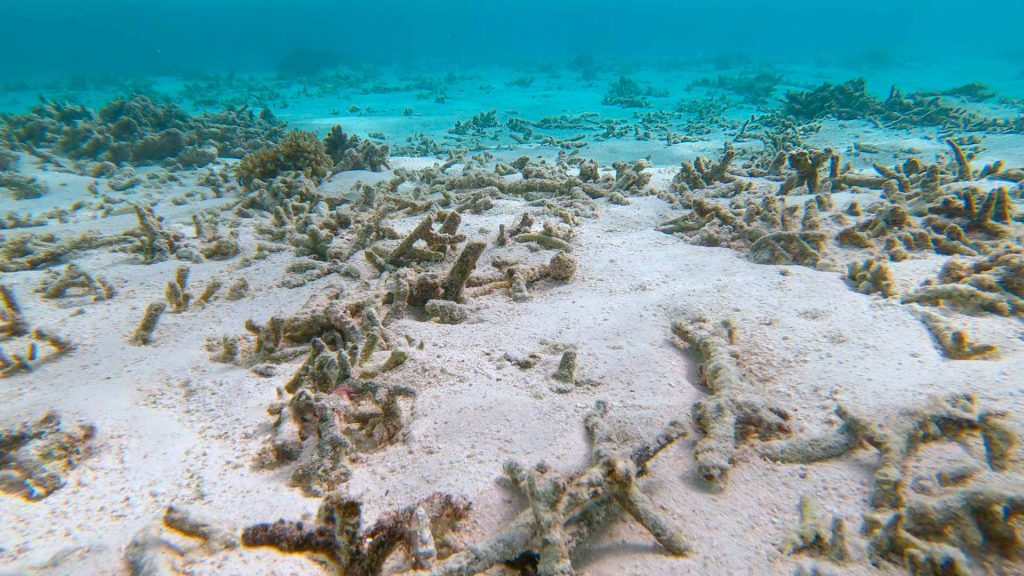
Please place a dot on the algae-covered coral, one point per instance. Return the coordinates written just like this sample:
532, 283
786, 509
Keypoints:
298, 151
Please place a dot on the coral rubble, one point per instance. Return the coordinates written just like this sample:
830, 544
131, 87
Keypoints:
734, 408
36, 458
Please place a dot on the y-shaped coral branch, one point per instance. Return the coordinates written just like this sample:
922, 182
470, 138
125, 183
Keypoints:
565, 511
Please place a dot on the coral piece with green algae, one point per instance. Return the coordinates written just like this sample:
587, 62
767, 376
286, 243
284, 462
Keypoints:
35, 459
734, 409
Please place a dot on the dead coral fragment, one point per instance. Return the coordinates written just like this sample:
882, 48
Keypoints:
58, 284
566, 373
955, 344
13, 325
156, 243
806, 164
803, 248
896, 439
562, 267
22, 187
357, 550
150, 554
215, 537
993, 284
177, 294
35, 459
965, 520
964, 170
28, 252
819, 533
734, 409
144, 333
332, 412
545, 240
871, 276
964, 296
237, 290
566, 510
350, 152
455, 282
446, 312
701, 174
626, 93
12, 321
435, 243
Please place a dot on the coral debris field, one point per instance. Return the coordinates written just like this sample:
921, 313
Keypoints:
713, 321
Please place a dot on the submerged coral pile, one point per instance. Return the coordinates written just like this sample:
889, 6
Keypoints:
140, 131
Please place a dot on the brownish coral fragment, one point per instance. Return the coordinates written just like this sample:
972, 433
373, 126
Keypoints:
35, 459
734, 408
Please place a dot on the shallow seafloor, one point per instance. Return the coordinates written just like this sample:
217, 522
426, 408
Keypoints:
174, 427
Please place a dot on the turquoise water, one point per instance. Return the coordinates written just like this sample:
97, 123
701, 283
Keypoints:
147, 37
84, 50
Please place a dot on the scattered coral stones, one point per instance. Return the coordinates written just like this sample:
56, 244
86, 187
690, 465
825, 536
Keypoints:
951, 522
35, 459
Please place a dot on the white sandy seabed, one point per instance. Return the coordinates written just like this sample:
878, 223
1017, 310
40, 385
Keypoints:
176, 428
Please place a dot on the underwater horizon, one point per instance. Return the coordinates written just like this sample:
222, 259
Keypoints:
187, 37
450, 287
